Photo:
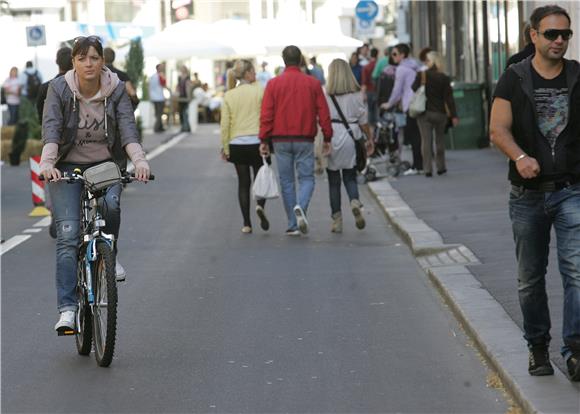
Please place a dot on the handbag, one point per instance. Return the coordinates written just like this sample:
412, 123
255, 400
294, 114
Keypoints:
102, 175
359, 144
265, 184
418, 103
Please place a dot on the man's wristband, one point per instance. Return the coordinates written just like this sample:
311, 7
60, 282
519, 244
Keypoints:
521, 157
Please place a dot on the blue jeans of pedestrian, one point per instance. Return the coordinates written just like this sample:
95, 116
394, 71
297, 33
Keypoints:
13, 114
297, 155
533, 213
66, 211
349, 180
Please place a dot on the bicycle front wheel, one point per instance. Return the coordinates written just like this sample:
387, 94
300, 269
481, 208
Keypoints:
84, 336
105, 306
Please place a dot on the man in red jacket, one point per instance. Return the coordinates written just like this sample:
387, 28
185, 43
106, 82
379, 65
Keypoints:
291, 105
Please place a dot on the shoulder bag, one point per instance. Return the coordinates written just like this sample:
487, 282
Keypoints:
359, 144
419, 100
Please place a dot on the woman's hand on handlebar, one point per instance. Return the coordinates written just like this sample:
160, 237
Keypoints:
142, 171
51, 174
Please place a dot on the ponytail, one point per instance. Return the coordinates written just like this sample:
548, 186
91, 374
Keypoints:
237, 72
231, 79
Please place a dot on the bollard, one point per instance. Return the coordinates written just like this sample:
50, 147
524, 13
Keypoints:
38, 194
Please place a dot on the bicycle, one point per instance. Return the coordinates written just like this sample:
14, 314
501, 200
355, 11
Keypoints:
96, 319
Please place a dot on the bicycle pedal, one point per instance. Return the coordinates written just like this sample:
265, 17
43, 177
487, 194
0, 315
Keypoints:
66, 332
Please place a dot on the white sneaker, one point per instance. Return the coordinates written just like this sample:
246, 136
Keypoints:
411, 171
120, 273
66, 321
301, 219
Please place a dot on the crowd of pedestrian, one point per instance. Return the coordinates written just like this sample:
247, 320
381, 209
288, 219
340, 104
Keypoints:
347, 107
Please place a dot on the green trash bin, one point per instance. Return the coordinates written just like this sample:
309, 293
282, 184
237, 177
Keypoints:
471, 131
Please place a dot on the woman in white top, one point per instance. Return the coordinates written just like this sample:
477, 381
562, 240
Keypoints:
342, 84
11, 88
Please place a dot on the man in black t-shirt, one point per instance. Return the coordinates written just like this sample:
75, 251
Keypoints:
535, 121
109, 55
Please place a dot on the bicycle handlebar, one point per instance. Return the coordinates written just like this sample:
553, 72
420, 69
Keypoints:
72, 177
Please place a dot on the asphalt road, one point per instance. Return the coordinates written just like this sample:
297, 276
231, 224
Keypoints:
212, 320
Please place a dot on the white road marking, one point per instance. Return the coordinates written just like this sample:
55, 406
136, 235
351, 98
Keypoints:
45, 222
161, 148
33, 230
12, 242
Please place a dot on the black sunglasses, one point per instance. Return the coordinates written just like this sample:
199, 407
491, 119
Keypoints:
91, 39
553, 34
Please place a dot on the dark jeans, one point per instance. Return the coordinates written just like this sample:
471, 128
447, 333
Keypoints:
13, 112
66, 211
373, 108
184, 116
533, 213
159, 106
349, 180
413, 137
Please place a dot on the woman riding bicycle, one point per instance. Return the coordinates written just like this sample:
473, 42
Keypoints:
88, 119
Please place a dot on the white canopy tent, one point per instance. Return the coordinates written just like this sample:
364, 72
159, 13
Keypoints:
230, 39
310, 38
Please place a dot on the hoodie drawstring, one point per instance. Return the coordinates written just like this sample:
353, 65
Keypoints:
106, 129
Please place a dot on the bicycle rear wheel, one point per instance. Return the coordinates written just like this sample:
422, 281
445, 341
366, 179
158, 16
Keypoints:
105, 306
84, 336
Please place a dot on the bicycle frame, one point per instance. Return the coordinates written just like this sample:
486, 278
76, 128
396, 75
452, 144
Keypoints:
91, 233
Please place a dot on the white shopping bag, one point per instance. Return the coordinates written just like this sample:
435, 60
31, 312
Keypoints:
265, 183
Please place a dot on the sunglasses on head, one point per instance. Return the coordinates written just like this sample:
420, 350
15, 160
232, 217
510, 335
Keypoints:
553, 34
90, 39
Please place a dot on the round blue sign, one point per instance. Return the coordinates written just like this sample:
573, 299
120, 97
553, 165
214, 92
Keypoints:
366, 10
35, 33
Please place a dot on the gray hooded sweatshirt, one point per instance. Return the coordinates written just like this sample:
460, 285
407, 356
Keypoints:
80, 130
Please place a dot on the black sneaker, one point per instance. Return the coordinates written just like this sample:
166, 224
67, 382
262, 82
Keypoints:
264, 223
539, 361
573, 364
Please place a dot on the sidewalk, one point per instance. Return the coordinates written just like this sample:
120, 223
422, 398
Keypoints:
458, 227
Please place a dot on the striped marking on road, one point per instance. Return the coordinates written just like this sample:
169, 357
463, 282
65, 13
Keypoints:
12, 242
45, 222
33, 230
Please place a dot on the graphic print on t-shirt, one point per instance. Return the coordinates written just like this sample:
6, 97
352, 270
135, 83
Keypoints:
90, 131
552, 109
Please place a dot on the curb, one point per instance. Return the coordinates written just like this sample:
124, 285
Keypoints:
496, 335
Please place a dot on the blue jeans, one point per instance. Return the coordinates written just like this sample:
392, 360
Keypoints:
533, 213
299, 155
13, 112
66, 211
349, 180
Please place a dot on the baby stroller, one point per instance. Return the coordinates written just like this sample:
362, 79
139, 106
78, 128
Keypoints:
387, 149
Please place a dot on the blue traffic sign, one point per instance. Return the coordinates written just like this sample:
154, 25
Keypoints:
366, 10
